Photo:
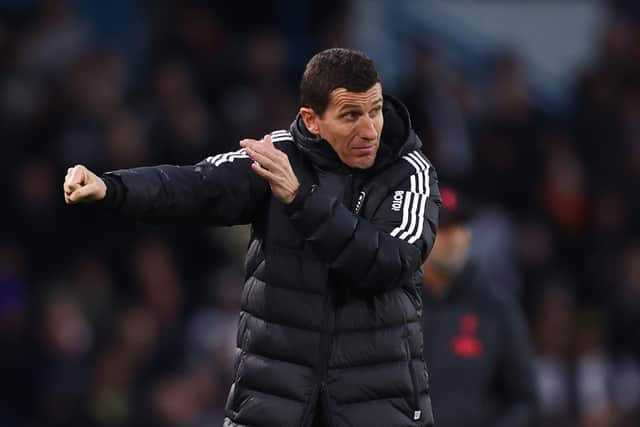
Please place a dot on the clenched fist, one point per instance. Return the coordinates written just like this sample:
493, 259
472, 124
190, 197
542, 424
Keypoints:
82, 185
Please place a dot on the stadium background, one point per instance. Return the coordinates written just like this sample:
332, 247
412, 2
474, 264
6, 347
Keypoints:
104, 322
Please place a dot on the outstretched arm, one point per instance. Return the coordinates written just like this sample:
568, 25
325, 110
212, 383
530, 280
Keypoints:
220, 190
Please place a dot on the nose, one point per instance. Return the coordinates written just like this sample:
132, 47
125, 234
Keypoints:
368, 129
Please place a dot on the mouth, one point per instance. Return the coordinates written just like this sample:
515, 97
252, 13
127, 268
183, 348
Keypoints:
365, 149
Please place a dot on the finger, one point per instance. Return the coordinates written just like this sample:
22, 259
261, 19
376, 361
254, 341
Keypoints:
264, 150
246, 141
253, 144
77, 175
83, 193
264, 160
70, 201
266, 174
270, 147
267, 144
269, 158
264, 145
70, 188
267, 140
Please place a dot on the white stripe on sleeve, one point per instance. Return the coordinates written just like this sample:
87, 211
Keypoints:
405, 214
415, 200
414, 216
418, 233
419, 158
219, 159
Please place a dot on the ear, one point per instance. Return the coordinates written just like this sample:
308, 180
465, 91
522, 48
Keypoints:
310, 119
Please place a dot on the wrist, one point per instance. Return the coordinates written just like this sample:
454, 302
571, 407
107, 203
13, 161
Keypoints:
292, 196
114, 191
303, 192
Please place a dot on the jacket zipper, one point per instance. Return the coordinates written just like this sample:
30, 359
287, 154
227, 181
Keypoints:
325, 400
324, 354
329, 325
307, 413
359, 202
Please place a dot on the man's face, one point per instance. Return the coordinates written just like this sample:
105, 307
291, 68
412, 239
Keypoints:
351, 124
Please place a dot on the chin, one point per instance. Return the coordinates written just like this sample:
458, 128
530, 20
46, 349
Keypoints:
364, 163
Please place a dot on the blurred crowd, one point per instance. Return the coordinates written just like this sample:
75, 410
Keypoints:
107, 322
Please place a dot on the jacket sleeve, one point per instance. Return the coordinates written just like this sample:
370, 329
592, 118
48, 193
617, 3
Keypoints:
383, 251
516, 370
220, 190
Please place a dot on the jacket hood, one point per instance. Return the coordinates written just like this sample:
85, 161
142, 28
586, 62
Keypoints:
397, 139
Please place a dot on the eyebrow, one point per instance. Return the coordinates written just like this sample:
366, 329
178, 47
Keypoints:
358, 107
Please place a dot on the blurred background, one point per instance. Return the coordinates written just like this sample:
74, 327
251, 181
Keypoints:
532, 108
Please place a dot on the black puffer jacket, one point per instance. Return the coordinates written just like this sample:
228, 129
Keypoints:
331, 305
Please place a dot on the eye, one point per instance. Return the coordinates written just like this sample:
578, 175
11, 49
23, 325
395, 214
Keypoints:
351, 115
375, 112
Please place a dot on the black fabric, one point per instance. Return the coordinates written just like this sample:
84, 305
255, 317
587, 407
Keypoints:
319, 416
116, 192
331, 303
478, 353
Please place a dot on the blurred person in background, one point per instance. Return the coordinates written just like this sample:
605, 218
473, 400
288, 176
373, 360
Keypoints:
344, 209
476, 340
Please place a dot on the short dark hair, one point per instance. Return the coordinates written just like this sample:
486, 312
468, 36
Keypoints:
335, 68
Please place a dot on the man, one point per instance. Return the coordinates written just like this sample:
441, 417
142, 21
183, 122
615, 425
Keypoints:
343, 214
476, 342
